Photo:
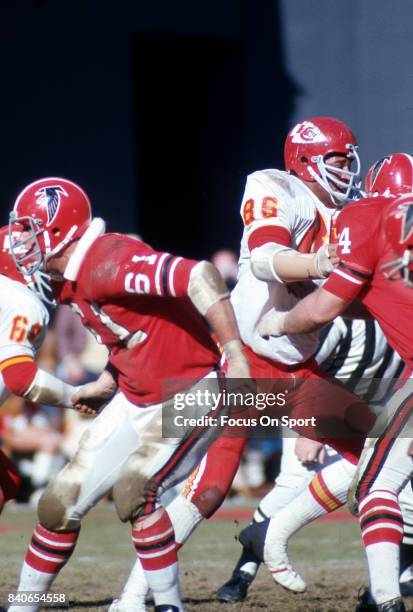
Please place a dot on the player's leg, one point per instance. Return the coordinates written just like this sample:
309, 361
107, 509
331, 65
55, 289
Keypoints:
103, 449
339, 418
159, 464
406, 552
292, 479
269, 539
203, 493
135, 496
406, 547
385, 467
9, 480
339, 413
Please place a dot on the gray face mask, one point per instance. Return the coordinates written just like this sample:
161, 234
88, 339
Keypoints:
39, 283
24, 244
400, 266
330, 176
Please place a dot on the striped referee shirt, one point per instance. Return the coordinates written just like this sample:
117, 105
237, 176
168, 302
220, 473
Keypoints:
356, 352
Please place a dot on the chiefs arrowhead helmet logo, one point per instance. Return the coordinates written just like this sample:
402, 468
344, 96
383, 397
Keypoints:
50, 196
307, 133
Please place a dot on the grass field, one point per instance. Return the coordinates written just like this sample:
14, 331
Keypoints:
328, 554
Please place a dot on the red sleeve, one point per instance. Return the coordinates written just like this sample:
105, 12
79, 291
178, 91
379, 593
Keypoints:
269, 233
18, 374
129, 267
357, 250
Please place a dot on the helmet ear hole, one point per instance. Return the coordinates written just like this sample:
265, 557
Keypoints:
304, 159
56, 231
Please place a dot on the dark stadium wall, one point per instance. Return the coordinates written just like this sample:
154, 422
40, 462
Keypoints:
208, 113
160, 109
352, 60
66, 101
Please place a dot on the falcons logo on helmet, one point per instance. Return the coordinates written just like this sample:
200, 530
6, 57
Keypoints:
307, 133
50, 197
378, 166
407, 225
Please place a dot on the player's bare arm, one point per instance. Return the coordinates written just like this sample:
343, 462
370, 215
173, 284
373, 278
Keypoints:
209, 294
313, 312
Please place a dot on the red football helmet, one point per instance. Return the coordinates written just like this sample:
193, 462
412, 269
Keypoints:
51, 213
38, 282
307, 149
390, 176
398, 229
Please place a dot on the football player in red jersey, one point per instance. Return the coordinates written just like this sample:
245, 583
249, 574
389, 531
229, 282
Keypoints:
147, 307
367, 262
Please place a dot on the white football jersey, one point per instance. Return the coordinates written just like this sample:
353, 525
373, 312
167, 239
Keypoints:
23, 323
276, 198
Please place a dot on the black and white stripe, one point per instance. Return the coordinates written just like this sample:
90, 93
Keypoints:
356, 352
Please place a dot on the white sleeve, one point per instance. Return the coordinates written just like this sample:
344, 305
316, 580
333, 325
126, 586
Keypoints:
23, 322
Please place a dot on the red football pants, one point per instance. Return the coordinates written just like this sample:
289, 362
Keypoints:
9, 479
342, 422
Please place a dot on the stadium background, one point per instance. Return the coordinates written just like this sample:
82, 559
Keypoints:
160, 109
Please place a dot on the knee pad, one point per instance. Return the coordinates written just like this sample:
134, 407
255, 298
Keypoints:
132, 492
54, 505
210, 482
208, 500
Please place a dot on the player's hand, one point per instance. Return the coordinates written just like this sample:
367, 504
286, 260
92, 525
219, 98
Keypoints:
271, 324
332, 254
91, 398
327, 259
309, 452
86, 410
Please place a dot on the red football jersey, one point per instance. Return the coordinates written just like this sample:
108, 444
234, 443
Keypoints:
134, 300
363, 251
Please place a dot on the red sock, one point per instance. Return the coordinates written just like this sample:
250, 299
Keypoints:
154, 540
380, 518
49, 551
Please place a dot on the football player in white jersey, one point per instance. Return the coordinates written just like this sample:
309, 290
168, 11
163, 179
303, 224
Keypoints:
288, 218
23, 323
267, 539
